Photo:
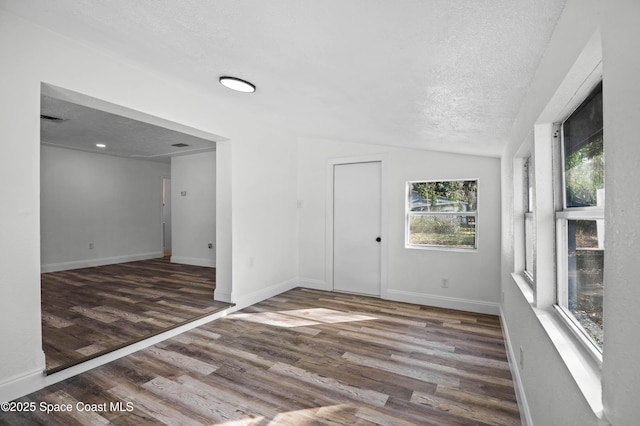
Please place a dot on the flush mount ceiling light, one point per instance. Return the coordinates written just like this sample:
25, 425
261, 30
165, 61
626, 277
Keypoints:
237, 84
52, 118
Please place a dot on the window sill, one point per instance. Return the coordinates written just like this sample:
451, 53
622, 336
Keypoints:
582, 366
524, 287
579, 336
441, 248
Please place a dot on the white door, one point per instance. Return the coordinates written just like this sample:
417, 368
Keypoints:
356, 227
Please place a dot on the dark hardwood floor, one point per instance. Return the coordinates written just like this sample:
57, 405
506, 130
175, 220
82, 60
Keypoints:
90, 311
304, 357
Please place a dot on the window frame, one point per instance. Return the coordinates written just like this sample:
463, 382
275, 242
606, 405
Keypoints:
409, 214
563, 215
528, 193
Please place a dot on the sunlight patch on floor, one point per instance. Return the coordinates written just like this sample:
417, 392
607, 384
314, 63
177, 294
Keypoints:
302, 317
298, 417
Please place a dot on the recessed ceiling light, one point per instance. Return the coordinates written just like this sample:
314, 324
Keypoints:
101, 145
237, 84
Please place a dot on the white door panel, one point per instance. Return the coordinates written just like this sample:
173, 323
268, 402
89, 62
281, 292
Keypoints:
356, 227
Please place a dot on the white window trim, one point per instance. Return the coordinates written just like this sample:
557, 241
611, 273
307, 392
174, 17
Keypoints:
564, 314
525, 280
525, 272
577, 357
562, 215
408, 213
528, 193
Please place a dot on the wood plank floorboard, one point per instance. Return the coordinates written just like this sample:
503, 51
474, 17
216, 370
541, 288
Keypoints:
304, 357
91, 311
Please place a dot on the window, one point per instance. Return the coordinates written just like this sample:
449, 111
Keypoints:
580, 221
528, 220
442, 214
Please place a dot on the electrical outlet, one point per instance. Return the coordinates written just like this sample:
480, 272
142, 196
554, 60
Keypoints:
521, 358
445, 283
90, 246
251, 261
210, 245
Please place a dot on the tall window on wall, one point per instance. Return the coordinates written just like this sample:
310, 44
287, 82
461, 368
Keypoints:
580, 222
442, 214
528, 220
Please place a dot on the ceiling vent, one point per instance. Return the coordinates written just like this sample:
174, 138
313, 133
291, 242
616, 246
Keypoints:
180, 145
52, 118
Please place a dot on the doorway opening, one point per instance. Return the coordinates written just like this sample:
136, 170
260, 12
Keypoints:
166, 217
106, 282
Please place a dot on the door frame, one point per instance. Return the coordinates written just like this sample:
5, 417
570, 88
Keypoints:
331, 163
162, 211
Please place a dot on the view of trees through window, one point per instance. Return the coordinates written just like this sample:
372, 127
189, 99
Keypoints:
584, 174
443, 213
585, 276
583, 149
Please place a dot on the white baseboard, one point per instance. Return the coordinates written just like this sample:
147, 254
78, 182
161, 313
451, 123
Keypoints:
313, 284
21, 385
476, 306
265, 293
88, 263
195, 261
523, 406
221, 296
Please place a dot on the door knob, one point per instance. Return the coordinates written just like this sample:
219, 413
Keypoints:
378, 239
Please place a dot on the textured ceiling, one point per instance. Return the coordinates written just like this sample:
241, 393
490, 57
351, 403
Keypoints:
82, 127
429, 74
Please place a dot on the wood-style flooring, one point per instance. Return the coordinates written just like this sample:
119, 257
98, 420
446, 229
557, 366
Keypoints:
304, 357
90, 311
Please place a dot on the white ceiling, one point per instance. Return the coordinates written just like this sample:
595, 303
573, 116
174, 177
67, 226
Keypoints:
445, 75
82, 127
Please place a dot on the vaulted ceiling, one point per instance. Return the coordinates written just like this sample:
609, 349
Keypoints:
427, 74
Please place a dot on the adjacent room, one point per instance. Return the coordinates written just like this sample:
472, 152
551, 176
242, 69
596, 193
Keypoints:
386, 212
110, 274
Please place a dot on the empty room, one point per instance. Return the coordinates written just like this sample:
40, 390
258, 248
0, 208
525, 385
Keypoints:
388, 212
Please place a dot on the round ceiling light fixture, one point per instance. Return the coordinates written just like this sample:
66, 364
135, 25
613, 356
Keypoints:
237, 84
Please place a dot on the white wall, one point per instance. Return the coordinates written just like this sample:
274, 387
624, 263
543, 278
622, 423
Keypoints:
261, 187
559, 384
265, 260
193, 214
112, 202
224, 222
621, 97
412, 275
